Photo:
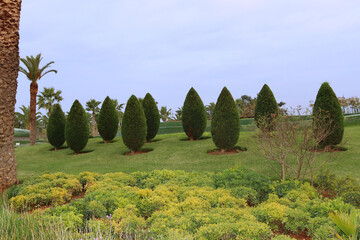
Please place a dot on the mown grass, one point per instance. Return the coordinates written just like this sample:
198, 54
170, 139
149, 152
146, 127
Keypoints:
170, 151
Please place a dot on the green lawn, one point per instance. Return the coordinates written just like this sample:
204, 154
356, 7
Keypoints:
170, 152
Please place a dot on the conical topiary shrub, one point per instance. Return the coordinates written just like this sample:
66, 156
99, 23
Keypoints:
77, 128
193, 115
55, 130
152, 116
327, 106
266, 109
225, 125
108, 120
133, 129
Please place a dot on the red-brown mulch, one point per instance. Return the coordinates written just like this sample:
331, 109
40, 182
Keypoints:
136, 153
302, 235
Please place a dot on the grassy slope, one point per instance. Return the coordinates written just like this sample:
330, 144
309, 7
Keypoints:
170, 153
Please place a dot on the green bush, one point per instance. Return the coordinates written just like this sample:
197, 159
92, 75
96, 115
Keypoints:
133, 128
225, 125
108, 120
327, 108
152, 116
77, 128
56, 127
266, 109
193, 115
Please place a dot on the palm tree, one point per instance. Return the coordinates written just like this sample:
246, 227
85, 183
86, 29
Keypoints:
178, 114
22, 120
9, 65
119, 108
34, 73
93, 106
165, 113
210, 110
47, 98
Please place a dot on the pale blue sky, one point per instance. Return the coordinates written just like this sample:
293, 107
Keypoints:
124, 47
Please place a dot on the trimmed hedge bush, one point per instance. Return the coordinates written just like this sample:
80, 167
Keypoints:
193, 115
77, 128
152, 115
55, 130
266, 108
225, 125
133, 127
327, 106
108, 121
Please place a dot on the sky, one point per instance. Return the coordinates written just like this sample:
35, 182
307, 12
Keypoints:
118, 48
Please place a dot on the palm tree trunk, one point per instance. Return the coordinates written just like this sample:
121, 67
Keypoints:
33, 128
9, 68
93, 124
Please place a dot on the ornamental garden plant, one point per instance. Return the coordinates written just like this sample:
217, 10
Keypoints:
56, 127
152, 116
108, 120
193, 115
77, 128
327, 108
133, 129
266, 109
225, 125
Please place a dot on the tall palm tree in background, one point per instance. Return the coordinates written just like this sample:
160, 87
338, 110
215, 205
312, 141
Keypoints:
119, 108
47, 98
22, 119
210, 110
34, 73
165, 113
9, 67
93, 106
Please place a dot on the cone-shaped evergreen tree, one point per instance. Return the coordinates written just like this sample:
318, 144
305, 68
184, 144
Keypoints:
133, 129
108, 120
266, 109
225, 125
193, 115
327, 106
77, 128
56, 127
152, 116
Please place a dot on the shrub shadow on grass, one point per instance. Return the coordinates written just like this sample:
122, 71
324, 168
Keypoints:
61, 148
82, 152
331, 149
112, 141
154, 140
236, 149
142, 151
201, 138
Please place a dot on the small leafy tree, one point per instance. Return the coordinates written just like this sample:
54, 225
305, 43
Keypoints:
327, 106
133, 128
266, 107
225, 125
56, 127
193, 115
152, 115
108, 121
291, 149
77, 128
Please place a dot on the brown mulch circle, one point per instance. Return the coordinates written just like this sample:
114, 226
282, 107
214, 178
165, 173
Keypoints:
54, 149
188, 139
331, 149
138, 152
218, 151
84, 152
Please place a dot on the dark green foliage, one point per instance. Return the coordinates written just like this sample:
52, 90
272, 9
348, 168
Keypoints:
152, 116
266, 109
327, 108
108, 120
193, 115
225, 125
77, 128
56, 127
133, 129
